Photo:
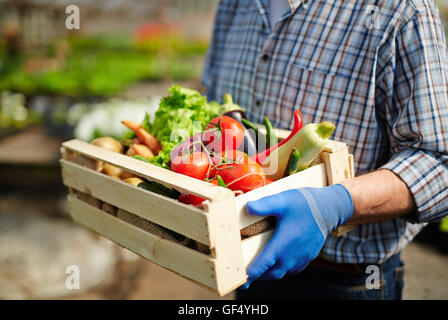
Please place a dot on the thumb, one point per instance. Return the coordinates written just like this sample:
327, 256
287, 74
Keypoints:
267, 206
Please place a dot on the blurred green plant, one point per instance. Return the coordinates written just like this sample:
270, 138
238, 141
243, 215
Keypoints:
13, 112
100, 66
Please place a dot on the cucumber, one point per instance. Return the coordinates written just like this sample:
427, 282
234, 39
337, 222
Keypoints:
159, 189
293, 161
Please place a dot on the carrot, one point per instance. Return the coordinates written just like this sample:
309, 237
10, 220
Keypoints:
137, 141
149, 140
142, 150
144, 136
131, 125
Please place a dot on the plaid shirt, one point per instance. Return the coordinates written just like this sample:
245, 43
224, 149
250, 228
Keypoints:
379, 73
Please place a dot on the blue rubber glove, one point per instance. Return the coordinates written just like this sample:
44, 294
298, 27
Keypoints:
305, 217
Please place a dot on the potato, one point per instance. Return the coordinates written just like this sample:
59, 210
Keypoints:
126, 174
134, 181
108, 143
111, 170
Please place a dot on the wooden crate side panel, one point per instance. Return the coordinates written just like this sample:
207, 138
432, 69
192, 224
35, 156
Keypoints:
183, 261
225, 234
253, 245
311, 177
151, 172
176, 216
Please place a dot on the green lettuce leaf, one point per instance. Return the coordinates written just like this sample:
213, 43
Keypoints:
183, 113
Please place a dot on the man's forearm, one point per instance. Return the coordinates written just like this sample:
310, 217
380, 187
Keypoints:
379, 195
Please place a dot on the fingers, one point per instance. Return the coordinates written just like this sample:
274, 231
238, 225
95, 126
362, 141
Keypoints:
267, 206
277, 271
259, 266
263, 262
280, 269
298, 267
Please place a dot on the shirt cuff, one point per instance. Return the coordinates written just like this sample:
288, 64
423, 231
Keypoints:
425, 173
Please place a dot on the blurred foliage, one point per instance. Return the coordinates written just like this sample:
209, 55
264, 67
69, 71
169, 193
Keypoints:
100, 66
13, 111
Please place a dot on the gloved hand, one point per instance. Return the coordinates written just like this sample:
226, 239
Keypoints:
305, 217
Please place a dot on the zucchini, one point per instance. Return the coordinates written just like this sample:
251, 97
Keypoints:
311, 140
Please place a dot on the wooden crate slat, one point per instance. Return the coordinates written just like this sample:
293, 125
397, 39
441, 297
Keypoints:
312, 177
172, 214
154, 173
253, 245
182, 260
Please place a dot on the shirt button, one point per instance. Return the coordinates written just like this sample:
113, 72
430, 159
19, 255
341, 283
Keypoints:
262, 11
265, 57
258, 103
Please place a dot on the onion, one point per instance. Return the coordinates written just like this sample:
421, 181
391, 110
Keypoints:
192, 144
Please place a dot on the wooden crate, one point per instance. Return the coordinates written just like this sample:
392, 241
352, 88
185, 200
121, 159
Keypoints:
216, 226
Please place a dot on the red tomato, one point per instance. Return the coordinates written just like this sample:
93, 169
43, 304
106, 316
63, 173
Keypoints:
192, 199
242, 176
268, 181
233, 156
228, 157
194, 165
229, 134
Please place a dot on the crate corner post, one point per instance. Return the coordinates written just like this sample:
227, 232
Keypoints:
339, 166
226, 244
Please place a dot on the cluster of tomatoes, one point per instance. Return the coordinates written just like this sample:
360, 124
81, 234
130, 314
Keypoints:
215, 157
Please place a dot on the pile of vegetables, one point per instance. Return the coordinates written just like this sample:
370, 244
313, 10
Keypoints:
215, 143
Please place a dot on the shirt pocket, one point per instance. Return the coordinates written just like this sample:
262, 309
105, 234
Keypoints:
325, 95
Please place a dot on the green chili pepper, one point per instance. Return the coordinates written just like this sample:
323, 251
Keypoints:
139, 157
220, 181
249, 125
293, 162
271, 138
